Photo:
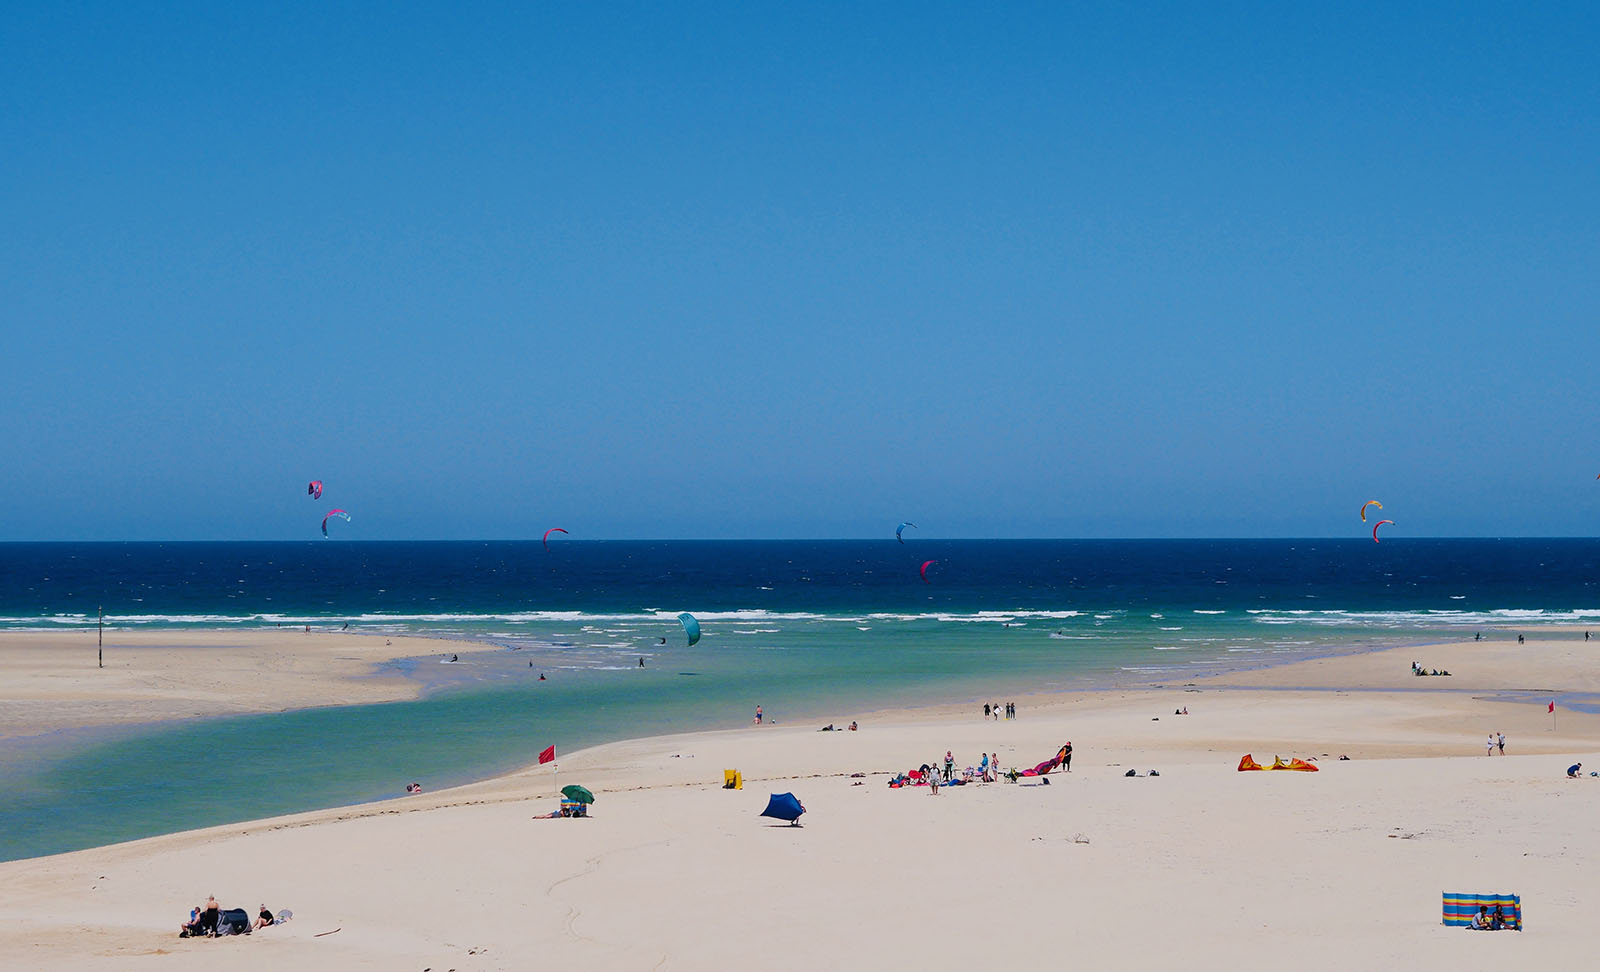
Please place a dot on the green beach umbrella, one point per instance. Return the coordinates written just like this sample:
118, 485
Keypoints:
578, 793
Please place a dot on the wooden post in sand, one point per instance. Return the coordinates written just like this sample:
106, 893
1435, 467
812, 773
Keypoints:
100, 639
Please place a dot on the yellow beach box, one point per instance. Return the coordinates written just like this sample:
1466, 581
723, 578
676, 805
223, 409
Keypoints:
732, 780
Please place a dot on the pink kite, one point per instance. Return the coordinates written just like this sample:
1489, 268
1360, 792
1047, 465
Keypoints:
924, 571
546, 540
341, 514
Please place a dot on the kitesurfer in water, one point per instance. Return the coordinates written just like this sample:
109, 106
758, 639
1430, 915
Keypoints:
641, 661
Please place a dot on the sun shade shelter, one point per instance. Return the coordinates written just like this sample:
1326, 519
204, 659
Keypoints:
784, 806
1460, 908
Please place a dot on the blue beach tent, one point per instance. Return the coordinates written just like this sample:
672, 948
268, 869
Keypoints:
784, 806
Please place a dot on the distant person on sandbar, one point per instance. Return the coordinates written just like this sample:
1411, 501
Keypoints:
758, 715
986, 712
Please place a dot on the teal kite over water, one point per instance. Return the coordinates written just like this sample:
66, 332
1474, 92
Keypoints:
691, 627
901, 527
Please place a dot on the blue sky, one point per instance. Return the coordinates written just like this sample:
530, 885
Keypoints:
746, 271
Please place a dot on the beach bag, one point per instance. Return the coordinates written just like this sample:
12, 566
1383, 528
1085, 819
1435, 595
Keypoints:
1131, 773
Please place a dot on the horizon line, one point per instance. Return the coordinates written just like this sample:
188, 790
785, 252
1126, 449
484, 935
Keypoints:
919, 540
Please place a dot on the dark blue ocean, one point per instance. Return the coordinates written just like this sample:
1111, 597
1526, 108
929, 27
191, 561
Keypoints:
811, 630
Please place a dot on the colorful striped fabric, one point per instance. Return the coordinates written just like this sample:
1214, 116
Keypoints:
1459, 909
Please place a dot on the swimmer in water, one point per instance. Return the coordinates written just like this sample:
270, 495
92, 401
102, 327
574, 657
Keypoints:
541, 676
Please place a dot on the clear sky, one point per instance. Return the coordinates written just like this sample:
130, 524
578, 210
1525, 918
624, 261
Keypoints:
687, 270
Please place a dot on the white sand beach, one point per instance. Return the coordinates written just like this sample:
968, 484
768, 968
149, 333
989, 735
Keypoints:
1199, 867
54, 680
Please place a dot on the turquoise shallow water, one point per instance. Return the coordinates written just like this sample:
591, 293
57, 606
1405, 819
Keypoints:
812, 632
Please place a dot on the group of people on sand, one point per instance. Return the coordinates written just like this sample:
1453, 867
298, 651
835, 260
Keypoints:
1417, 669
205, 921
936, 771
1484, 921
993, 710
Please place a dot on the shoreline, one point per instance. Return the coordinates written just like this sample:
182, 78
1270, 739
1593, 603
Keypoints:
1364, 669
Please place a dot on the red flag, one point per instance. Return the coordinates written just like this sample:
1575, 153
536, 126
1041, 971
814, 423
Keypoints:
547, 754
1552, 707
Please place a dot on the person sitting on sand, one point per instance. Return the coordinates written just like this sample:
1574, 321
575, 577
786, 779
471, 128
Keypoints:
206, 922
1574, 770
1497, 920
1480, 921
852, 725
263, 919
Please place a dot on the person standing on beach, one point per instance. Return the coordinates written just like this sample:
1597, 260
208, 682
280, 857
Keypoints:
1066, 756
758, 715
1488, 747
949, 764
985, 712
1500, 742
